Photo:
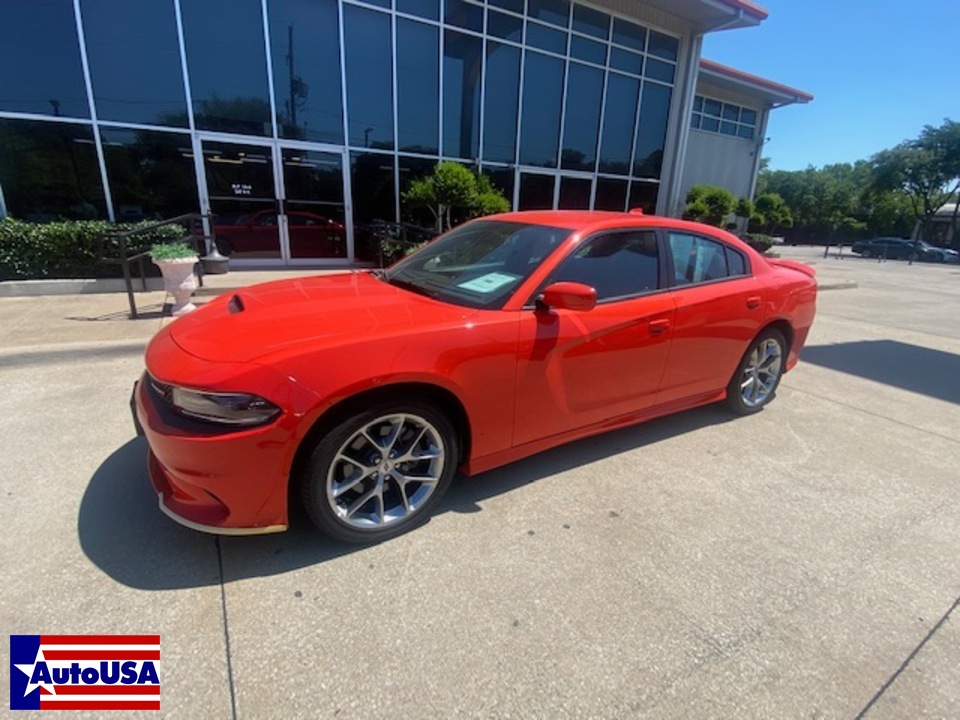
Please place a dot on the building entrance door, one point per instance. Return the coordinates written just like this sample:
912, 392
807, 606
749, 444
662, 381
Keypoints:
539, 190
278, 203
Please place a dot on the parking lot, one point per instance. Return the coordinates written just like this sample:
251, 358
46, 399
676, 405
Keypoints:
802, 562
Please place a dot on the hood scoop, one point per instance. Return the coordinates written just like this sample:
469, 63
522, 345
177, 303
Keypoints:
235, 305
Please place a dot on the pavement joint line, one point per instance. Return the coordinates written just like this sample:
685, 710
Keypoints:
874, 414
226, 630
903, 666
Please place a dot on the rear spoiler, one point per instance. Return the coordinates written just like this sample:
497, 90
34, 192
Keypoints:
793, 265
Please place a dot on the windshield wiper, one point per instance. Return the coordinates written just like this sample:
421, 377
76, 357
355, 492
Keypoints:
411, 286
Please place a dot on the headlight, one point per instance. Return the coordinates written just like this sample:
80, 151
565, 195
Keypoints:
215, 407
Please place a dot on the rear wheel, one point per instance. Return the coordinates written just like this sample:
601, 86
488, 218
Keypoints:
868, 253
758, 375
380, 472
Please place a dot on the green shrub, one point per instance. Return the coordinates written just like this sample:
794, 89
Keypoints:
759, 242
68, 249
709, 204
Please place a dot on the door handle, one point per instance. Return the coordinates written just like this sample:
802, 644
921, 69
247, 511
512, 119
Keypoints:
753, 302
659, 326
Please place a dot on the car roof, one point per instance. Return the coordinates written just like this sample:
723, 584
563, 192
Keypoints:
593, 219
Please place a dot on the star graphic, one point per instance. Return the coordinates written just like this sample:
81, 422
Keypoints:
27, 669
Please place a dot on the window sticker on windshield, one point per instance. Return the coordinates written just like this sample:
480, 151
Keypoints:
489, 282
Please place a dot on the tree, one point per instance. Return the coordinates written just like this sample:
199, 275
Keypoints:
709, 204
926, 169
772, 213
452, 186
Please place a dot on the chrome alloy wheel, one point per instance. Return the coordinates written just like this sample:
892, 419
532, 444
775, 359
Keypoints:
761, 373
386, 471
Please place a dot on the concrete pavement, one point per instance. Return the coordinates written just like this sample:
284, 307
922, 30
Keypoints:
797, 563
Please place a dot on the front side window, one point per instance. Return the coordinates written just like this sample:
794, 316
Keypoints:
616, 265
696, 259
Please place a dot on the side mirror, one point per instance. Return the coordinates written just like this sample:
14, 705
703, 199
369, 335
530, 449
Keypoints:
568, 296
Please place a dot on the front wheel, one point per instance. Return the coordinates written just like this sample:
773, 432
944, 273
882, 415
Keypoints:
380, 472
758, 375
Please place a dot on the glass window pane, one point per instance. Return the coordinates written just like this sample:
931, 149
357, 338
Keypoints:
588, 50
627, 61
373, 199
643, 195
542, 95
502, 179
304, 47
591, 22
696, 259
151, 174
618, 124
710, 123
731, 112
134, 59
380, 3
242, 196
500, 110
369, 86
629, 35
616, 265
429, 9
745, 131
748, 116
584, 97
49, 171
463, 14
555, 12
611, 195
40, 59
228, 65
316, 221
659, 70
540, 36
512, 5
504, 26
728, 128
418, 87
698, 103
695, 121
736, 263
663, 46
413, 169
712, 107
651, 130
462, 63
536, 191
574, 193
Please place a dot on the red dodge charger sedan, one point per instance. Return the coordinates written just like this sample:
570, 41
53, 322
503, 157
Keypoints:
363, 393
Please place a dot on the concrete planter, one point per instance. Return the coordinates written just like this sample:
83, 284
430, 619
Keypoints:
180, 281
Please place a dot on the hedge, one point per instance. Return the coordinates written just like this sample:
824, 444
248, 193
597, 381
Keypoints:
67, 249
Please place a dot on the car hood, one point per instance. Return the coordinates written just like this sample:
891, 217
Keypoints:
260, 320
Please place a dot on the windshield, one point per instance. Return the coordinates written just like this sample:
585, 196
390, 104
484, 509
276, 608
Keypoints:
479, 264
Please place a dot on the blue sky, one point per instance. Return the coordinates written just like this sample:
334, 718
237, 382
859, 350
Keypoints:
878, 70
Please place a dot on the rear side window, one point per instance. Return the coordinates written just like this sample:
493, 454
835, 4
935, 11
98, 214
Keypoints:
696, 259
615, 265
736, 265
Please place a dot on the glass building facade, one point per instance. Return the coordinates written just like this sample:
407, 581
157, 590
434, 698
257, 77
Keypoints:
299, 122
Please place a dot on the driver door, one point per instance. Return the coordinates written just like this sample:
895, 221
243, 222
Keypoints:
581, 368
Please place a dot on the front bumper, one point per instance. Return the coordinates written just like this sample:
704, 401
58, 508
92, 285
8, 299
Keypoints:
229, 483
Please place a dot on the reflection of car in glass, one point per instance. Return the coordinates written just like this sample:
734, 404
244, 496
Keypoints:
311, 235
362, 393
902, 249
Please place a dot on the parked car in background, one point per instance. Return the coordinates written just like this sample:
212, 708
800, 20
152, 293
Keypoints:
360, 394
903, 249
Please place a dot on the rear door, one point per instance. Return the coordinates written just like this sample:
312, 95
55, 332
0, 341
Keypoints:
580, 368
719, 311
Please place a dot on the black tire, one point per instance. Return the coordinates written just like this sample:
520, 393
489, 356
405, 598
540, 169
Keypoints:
736, 401
424, 426
913, 256
868, 253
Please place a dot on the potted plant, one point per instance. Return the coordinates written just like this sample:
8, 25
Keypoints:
176, 262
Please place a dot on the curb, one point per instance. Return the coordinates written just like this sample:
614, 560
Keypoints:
78, 286
838, 285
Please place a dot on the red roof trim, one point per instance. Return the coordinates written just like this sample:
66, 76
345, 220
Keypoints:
748, 7
735, 74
